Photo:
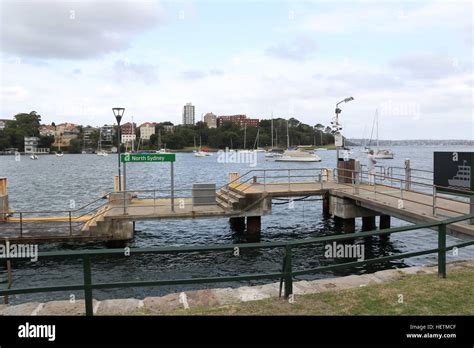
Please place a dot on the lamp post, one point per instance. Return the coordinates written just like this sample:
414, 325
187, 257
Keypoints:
336, 126
118, 113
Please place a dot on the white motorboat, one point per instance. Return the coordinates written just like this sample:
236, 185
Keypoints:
298, 156
59, 154
33, 157
200, 154
383, 154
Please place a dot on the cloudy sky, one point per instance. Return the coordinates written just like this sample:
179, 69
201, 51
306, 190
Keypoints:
74, 61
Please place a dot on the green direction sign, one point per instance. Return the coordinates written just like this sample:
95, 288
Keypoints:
147, 157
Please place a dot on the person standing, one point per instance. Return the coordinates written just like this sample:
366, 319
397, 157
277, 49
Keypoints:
371, 167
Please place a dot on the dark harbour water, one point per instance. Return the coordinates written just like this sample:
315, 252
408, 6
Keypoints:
51, 182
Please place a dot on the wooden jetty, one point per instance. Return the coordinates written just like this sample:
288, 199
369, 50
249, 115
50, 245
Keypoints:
346, 195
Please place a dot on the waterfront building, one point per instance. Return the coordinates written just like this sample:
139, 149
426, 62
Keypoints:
241, 120
47, 130
3, 123
168, 128
211, 120
64, 133
128, 132
147, 129
188, 114
87, 135
107, 133
31, 146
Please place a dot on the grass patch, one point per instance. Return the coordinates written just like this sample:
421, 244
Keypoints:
422, 295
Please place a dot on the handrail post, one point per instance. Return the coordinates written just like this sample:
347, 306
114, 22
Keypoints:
442, 251
434, 200
321, 180
70, 224
172, 186
124, 188
289, 185
264, 180
401, 189
288, 272
86, 262
407, 174
471, 209
21, 224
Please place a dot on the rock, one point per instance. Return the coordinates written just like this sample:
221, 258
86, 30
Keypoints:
121, 306
226, 296
162, 304
65, 308
201, 298
387, 275
28, 308
418, 270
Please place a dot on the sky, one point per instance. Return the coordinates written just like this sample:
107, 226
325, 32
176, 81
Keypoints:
411, 61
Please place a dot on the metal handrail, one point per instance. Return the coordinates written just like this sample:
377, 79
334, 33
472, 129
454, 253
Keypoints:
287, 274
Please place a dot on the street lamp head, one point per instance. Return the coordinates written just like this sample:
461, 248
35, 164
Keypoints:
348, 99
118, 113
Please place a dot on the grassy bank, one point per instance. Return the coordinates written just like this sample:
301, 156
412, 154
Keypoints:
422, 295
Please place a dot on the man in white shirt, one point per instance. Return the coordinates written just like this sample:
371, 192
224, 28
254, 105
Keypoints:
371, 167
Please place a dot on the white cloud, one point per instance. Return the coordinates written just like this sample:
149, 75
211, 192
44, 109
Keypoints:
73, 29
389, 16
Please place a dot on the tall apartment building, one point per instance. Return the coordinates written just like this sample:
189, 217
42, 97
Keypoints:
241, 120
188, 114
211, 120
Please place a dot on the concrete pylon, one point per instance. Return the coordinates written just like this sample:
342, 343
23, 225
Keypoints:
237, 223
326, 205
254, 227
368, 223
383, 224
3, 199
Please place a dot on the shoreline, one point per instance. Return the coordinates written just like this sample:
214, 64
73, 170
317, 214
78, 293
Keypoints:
215, 297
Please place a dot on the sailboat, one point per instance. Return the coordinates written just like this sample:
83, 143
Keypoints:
296, 155
378, 153
100, 152
199, 153
59, 153
272, 153
245, 150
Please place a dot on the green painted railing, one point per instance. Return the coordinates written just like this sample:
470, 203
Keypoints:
286, 275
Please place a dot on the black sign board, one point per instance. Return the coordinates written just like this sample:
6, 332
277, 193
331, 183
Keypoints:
453, 172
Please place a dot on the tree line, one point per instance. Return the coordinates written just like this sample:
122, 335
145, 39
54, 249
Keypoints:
228, 135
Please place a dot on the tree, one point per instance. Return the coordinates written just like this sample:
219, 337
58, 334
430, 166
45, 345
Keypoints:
28, 123
46, 141
75, 146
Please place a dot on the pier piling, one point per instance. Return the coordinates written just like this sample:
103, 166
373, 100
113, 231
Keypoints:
237, 223
254, 226
368, 223
326, 205
348, 225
